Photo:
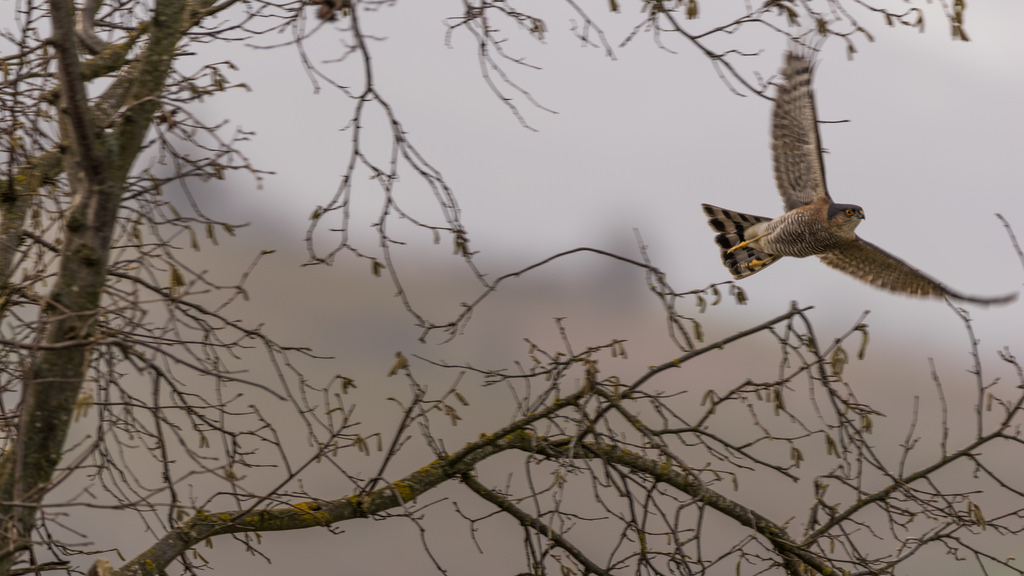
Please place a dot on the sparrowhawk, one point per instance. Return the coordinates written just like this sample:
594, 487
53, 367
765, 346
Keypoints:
813, 223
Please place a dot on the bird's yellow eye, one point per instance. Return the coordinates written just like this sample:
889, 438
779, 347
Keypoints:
849, 212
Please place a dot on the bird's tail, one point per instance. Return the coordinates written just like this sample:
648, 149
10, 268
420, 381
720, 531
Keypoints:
731, 227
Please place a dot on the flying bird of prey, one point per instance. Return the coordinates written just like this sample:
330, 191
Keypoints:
812, 223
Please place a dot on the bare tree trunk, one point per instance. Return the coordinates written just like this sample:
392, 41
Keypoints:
97, 163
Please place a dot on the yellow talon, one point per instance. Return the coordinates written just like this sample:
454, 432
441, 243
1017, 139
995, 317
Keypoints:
755, 264
745, 243
737, 247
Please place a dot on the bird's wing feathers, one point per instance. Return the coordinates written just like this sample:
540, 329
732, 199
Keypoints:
796, 145
869, 263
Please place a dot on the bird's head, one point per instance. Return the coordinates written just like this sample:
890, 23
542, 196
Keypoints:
846, 215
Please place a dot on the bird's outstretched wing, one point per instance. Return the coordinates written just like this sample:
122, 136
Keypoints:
869, 263
796, 145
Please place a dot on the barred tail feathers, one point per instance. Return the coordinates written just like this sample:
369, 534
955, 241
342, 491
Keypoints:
730, 227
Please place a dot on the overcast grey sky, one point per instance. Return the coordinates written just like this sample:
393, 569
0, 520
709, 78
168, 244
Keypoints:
931, 149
